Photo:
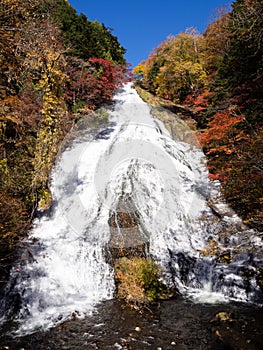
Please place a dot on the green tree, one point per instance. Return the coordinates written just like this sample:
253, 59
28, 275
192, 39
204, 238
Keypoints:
83, 38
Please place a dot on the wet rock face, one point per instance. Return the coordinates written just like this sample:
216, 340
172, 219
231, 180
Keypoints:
136, 275
123, 219
127, 238
139, 251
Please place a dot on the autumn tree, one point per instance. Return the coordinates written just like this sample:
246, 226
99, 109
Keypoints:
175, 69
139, 71
216, 41
91, 83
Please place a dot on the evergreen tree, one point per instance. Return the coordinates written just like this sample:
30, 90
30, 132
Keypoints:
83, 38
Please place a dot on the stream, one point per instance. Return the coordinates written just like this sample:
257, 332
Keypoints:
61, 292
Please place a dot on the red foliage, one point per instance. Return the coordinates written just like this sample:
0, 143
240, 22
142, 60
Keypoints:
93, 83
225, 141
200, 102
214, 176
220, 128
189, 100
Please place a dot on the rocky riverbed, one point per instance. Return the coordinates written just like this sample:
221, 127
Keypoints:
172, 324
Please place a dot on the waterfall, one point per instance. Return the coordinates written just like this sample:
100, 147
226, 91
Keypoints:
64, 271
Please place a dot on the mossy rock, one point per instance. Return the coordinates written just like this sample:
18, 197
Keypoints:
138, 282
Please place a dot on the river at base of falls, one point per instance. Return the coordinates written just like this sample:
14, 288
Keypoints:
174, 324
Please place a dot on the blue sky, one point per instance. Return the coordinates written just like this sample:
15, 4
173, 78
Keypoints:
140, 25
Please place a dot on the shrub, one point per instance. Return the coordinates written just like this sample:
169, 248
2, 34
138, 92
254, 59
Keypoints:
138, 281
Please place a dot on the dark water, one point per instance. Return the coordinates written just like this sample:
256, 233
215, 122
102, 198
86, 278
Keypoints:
173, 324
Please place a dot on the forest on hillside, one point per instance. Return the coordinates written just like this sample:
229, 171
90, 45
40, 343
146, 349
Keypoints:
55, 65
218, 76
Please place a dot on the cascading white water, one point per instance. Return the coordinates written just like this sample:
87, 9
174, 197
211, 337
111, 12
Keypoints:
133, 157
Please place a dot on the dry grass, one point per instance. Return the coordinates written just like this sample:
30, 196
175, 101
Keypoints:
138, 281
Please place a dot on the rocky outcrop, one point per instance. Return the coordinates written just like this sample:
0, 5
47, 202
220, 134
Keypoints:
137, 276
127, 238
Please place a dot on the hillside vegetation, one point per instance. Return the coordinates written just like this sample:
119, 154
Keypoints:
55, 66
219, 77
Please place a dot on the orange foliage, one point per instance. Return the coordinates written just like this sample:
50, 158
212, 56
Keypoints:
221, 132
200, 102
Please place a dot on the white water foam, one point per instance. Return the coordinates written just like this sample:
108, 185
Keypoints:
166, 180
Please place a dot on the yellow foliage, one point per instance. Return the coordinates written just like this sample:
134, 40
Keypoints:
176, 68
139, 70
211, 249
45, 199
